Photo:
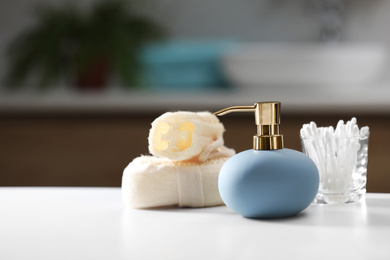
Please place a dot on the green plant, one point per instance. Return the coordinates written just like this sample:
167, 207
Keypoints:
67, 42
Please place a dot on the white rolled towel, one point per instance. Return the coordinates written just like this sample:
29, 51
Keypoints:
149, 181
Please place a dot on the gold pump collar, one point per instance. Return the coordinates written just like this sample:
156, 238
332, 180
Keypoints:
267, 119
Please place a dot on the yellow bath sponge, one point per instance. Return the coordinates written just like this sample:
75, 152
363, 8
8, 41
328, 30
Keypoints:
185, 135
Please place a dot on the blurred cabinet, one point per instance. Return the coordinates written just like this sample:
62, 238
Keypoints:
91, 150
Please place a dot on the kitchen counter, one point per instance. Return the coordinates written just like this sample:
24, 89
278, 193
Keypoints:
295, 100
92, 223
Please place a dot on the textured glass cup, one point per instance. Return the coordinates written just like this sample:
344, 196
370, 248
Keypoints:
342, 165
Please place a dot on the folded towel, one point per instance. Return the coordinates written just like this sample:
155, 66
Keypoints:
149, 181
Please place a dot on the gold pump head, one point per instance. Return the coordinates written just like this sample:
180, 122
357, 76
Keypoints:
267, 119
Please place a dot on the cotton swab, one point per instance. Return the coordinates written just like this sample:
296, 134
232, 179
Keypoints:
335, 152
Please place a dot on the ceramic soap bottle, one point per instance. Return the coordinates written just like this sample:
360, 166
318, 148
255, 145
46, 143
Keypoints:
268, 181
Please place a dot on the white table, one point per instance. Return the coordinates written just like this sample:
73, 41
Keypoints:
91, 223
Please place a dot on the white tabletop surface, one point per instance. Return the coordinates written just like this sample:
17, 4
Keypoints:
91, 223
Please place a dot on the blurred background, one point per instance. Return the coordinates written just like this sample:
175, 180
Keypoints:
81, 81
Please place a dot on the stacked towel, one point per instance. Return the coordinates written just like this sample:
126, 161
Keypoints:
188, 153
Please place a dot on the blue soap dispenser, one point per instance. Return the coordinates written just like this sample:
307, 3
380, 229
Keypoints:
268, 181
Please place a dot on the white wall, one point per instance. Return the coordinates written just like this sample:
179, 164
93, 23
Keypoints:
260, 20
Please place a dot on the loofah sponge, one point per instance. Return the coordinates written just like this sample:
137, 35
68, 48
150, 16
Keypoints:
184, 135
188, 155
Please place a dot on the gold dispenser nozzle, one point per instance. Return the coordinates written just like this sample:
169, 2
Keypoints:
267, 119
